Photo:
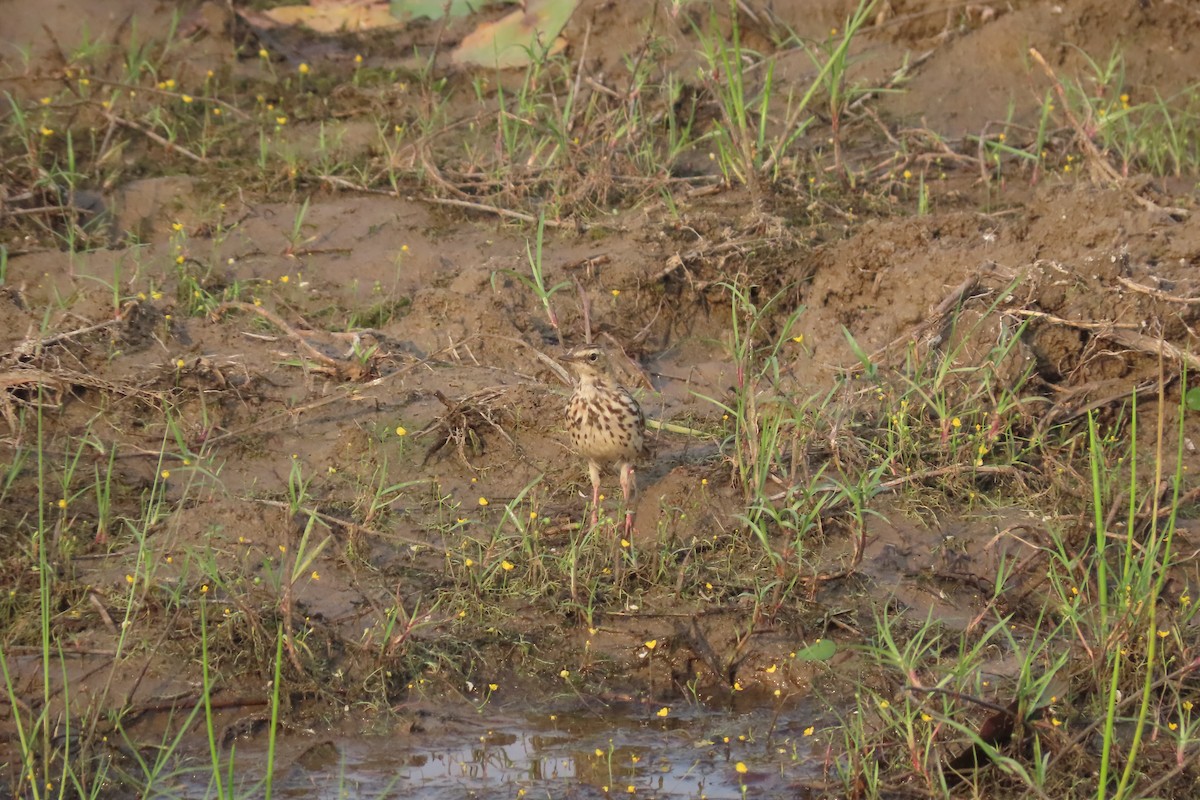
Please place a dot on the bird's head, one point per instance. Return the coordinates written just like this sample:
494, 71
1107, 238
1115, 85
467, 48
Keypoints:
588, 362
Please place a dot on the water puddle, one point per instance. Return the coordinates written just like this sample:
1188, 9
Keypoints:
628, 752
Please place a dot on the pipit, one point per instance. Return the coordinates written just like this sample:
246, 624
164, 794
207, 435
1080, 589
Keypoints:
606, 424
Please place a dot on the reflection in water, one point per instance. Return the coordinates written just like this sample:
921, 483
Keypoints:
693, 754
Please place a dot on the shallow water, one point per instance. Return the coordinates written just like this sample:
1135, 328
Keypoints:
630, 752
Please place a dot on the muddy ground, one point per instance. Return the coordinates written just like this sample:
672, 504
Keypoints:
318, 401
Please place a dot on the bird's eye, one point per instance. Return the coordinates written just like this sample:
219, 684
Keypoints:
593, 357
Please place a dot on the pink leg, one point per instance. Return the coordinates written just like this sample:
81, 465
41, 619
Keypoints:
594, 471
629, 493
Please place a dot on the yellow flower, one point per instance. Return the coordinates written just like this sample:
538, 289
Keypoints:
564, 674
284, 278
493, 686
216, 112
771, 669
907, 174
283, 548
281, 120
533, 515
483, 501
262, 53
651, 644
599, 753
740, 767
625, 543
616, 292
303, 68
47, 131
507, 565
204, 589
401, 430
62, 503
358, 58
664, 711
129, 579
166, 473
469, 562
884, 704
187, 98
956, 423
179, 363
45, 101
1163, 634
809, 730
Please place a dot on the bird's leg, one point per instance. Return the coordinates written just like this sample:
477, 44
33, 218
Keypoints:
594, 471
629, 493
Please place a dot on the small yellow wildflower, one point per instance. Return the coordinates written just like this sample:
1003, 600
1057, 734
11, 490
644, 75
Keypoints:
401, 430
263, 54
45, 101
564, 674
179, 363
166, 473
284, 278
358, 58
62, 502
281, 120
809, 730
741, 767
956, 423
664, 711
507, 565
493, 686
129, 579
616, 292
651, 644
187, 98
47, 131
316, 576
303, 68
483, 501
908, 174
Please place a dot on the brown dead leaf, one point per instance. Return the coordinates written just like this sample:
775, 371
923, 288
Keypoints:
332, 16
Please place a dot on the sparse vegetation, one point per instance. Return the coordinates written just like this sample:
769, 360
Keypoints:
282, 422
